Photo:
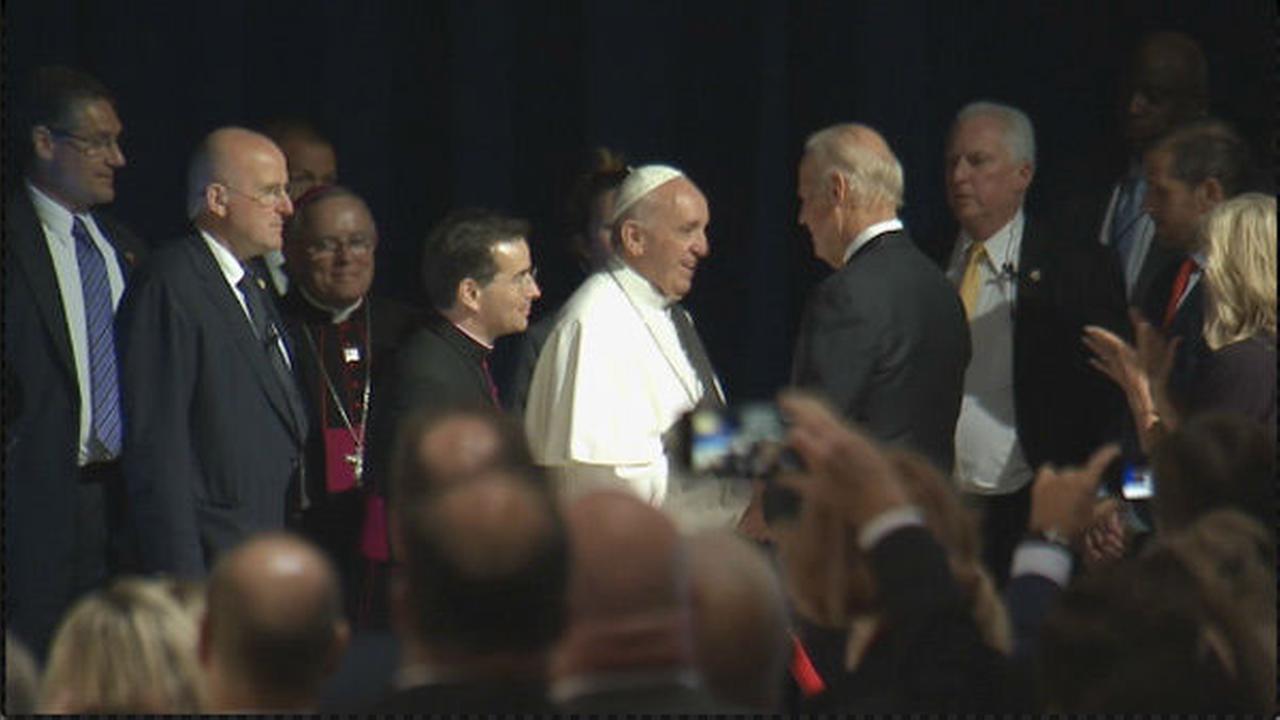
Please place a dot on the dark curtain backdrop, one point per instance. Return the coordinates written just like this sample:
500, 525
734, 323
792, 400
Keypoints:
432, 105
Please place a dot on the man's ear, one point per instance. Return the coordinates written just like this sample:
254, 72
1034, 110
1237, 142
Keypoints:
42, 143
1209, 193
632, 237
216, 199
1026, 171
838, 188
468, 295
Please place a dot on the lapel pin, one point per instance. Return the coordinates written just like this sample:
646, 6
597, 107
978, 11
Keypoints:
262, 285
1034, 275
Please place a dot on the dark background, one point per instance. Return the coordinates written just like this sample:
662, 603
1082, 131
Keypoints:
433, 105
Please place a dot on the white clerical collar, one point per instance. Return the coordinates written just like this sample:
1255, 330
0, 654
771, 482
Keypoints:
231, 268
53, 214
1004, 244
636, 285
869, 232
476, 340
335, 315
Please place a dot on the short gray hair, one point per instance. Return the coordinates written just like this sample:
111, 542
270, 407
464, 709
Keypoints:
1019, 137
200, 173
873, 176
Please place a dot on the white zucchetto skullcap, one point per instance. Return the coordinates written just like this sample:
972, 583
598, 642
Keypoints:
640, 182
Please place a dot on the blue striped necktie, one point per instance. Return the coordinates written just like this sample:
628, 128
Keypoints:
98, 313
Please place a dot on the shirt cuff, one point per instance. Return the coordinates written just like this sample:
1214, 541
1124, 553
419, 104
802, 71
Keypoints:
887, 522
1041, 558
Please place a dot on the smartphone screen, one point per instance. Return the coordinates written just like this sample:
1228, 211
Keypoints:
739, 441
1137, 483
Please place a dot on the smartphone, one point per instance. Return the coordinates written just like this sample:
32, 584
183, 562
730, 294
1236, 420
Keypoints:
1137, 483
744, 441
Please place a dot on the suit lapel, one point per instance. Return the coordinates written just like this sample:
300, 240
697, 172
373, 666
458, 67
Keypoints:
31, 250
227, 307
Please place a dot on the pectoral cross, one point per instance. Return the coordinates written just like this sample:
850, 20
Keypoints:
356, 461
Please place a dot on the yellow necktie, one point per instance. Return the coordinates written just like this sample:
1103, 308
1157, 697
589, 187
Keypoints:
972, 280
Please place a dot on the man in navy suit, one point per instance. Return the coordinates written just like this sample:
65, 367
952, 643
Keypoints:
65, 270
214, 420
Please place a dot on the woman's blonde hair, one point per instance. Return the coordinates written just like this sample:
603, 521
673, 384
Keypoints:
829, 577
1240, 270
130, 647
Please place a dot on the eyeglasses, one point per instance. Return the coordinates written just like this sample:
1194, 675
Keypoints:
267, 198
355, 246
89, 147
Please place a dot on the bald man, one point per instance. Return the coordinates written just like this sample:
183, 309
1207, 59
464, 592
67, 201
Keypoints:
884, 337
628, 646
214, 420
480, 601
273, 628
624, 362
739, 619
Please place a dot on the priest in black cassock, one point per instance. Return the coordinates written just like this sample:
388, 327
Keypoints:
345, 343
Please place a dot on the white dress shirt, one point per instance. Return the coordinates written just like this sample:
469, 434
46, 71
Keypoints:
56, 221
233, 272
989, 459
869, 232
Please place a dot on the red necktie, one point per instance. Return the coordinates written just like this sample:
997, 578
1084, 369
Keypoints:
1179, 285
803, 671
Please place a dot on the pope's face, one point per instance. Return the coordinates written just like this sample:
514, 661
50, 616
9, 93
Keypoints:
671, 238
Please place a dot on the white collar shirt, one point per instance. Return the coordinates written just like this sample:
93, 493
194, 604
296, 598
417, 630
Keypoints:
870, 232
989, 459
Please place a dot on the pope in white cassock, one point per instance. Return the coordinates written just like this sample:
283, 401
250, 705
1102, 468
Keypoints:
623, 362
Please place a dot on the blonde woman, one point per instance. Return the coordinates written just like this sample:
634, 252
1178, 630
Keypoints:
1239, 329
129, 648
833, 582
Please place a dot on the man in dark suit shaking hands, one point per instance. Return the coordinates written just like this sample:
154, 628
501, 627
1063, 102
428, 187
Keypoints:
214, 421
883, 337
65, 268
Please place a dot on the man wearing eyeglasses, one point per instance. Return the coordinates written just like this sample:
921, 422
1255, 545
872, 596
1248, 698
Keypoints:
215, 420
344, 341
66, 266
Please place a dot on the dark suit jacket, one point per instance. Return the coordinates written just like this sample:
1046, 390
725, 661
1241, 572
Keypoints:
478, 697
884, 338
1192, 354
660, 699
438, 369
1065, 408
42, 443
213, 435
930, 655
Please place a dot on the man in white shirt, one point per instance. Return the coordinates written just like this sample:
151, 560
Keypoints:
1030, 396
65, 265
623, 362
